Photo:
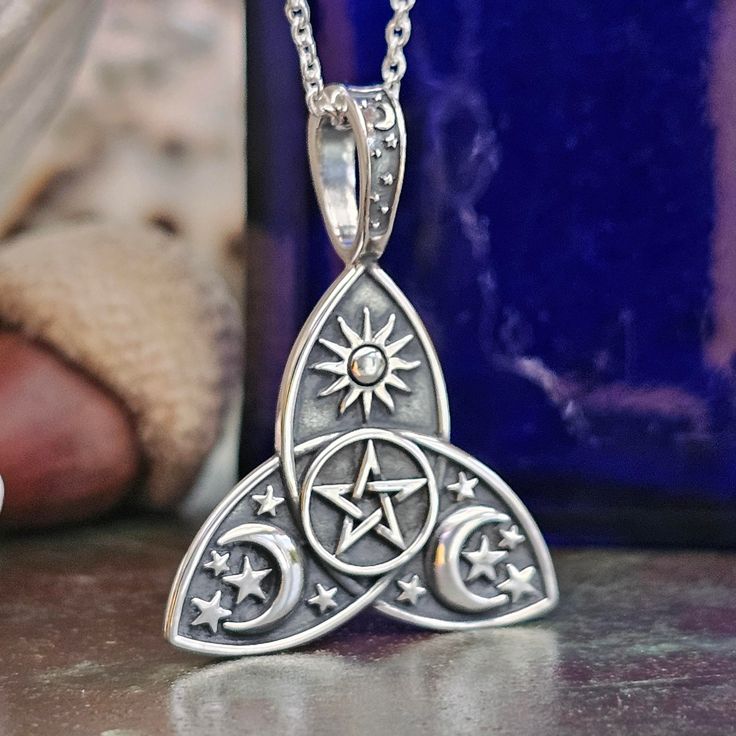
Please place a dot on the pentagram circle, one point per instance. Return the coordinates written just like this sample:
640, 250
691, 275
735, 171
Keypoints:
369, 502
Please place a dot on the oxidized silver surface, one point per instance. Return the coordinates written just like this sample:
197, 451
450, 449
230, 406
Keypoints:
365, 502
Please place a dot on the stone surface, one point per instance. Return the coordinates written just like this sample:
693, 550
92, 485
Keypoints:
643, 643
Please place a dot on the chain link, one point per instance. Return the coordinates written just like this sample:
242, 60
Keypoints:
393, 68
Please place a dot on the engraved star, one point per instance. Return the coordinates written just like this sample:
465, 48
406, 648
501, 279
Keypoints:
268, 502
390, 141
484, 561
464, 487
376, 152
518, 584
210, 612
511, 538
218, 563
387, 179
410, 591
248, 582
383, 520
375, 197
325, 598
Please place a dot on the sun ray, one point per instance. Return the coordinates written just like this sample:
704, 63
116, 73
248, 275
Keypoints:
367, 403
338, 385
367, 329
350, 398
366, 367
341, 350
396, 382
385, 332
383, 395
399, 364
339, 369
394, 347
350, 334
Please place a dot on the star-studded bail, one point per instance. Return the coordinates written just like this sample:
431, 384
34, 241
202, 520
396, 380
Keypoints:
358, 214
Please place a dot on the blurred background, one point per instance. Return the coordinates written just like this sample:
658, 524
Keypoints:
567, 231
121, 260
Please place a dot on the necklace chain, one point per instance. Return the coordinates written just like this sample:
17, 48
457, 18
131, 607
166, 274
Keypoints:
393, 68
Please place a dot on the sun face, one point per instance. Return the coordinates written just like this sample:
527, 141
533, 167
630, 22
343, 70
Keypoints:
367, 365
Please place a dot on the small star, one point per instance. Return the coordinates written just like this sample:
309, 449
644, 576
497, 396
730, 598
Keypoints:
375, 197
411, 591
387, 179
511, 538
483, 561
376, 152
210, 612
390, 141
364, 104
378, 97
375, 224
518, 583
325, 599
464, 487
218, 563
268, 502
248, 581
384, 209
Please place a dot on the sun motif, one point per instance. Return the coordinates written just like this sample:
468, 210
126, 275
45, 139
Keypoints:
367, 365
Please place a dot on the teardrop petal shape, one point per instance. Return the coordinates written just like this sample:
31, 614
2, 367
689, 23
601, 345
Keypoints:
486, 563
362, 359
250, 585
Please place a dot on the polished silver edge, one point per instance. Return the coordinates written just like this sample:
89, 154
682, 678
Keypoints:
289, 642
364, 244
435, 367
296, 363
546, 568
193, 555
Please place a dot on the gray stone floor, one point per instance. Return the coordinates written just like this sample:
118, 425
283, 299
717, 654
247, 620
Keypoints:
642, 643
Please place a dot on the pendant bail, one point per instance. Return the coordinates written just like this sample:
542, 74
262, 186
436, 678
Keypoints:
358, 210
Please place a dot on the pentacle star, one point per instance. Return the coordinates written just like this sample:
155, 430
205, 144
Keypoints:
248, 581
210, 612
410, 591
268, 503
367, 365
388, 491
325, 598
511, 538
218, 563
517, 584
483, 561
464, 487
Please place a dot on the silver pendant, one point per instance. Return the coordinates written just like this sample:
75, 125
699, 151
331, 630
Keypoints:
365, 502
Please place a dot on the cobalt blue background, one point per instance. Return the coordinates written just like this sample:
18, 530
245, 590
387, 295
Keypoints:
554, 233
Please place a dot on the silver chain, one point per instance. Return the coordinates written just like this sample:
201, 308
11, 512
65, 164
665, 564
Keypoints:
393, 68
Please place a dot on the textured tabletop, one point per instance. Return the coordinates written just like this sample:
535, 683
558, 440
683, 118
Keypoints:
642, 643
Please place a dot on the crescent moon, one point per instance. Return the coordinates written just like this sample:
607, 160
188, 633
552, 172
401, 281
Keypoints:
389, 117
282, 548
452, 535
